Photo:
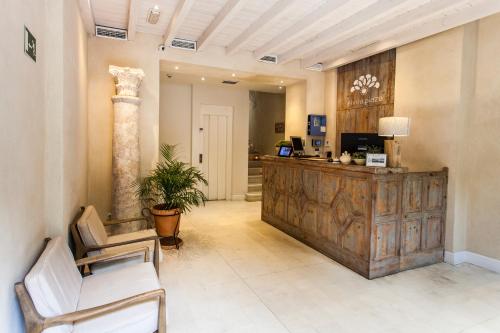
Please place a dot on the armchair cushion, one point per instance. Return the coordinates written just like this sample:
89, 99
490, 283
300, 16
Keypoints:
114, 285
131, 236
133, 259
91, 228
54, 282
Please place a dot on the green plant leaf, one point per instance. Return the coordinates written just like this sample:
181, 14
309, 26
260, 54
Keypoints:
172, 184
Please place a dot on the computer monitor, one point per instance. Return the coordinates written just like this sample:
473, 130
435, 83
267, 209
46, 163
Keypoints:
297, 144
354, 142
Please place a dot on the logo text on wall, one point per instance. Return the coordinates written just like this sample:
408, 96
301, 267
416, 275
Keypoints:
362, 85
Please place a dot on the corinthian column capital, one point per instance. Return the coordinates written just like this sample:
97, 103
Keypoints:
128, 80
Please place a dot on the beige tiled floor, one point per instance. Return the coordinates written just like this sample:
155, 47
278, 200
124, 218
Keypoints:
238, 274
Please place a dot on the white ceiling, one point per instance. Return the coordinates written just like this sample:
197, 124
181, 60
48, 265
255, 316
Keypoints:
331, 32
190, 73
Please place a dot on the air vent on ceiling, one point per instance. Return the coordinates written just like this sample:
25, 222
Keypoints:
184, 44
229, 82
270, 59
112, 33
316, 67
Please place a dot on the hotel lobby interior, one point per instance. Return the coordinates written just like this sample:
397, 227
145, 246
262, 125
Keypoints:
233, 166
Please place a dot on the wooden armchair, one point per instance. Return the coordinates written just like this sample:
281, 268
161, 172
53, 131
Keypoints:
55, 298
90, 238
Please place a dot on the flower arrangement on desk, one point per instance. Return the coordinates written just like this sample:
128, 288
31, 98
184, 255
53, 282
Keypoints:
359, 158
280, 143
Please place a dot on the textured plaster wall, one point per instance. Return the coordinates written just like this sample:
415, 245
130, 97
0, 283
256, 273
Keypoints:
449, 84
42, 136
140, 53
428, 82
483, 154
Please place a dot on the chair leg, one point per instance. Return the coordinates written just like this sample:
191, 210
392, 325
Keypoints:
162, 315
156, 258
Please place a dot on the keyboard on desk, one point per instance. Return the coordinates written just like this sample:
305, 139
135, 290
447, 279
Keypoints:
306, 156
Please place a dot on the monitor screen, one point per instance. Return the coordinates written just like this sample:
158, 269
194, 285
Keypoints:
297, 143
285, 151
353, 142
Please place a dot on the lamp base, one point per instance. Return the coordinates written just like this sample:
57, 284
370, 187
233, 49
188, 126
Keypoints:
393, 151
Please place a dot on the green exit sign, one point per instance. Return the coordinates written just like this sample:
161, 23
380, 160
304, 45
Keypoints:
29, 44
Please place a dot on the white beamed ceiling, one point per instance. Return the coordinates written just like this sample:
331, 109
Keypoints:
332, 32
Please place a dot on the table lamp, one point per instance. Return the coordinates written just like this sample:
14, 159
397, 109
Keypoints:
392, 127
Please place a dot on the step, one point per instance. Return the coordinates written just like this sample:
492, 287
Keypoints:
257, 196
255, 179
254, 171
255, 164
255, 187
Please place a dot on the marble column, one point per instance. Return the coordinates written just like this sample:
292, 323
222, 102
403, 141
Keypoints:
126, 152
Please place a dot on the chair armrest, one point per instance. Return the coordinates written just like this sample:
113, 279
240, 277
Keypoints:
112, 256
132, 219
132, 241
72, 317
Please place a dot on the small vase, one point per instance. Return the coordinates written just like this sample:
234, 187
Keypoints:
345, 158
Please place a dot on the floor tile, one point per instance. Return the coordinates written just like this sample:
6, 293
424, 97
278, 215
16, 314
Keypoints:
237, 274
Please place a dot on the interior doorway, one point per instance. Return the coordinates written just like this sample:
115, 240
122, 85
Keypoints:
266, 130
215, 157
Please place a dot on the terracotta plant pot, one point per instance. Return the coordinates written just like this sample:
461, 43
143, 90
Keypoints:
167, 221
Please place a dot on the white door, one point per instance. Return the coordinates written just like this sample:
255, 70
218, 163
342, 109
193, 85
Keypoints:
216, 150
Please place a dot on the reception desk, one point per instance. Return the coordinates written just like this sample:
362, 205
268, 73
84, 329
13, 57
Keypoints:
376, 221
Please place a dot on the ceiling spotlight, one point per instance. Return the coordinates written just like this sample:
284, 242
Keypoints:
233, 75
281, 81
176, 67
153, 15
203, 78
280, 87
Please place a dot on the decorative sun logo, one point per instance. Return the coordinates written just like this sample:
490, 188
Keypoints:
364, 83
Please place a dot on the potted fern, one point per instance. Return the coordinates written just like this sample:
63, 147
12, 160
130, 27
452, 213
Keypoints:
170, 190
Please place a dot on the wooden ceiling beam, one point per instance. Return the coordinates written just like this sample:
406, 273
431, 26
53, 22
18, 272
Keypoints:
275, 12
465, 12
87, 16
225, 15
373, 34
300, 28
357, 20
181, 11
132, 19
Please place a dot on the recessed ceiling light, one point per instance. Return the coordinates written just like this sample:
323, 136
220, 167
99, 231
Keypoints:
203, 78
281, 81
176, 67
233, 75
280, 87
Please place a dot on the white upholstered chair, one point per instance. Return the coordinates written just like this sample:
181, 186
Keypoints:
91, 239
55, 298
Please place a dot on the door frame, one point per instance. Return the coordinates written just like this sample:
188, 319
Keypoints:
197, 140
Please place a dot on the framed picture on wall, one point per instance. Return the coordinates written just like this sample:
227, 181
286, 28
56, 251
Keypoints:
279, 127
376, 160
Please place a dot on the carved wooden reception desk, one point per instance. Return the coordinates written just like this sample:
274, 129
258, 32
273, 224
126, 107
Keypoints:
376, 221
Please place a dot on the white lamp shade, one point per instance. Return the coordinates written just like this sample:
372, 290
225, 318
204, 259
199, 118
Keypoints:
394, 126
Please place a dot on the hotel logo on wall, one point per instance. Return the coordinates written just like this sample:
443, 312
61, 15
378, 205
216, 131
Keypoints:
363, 85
